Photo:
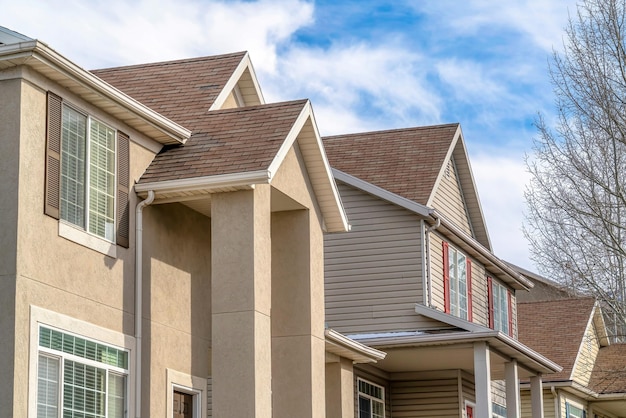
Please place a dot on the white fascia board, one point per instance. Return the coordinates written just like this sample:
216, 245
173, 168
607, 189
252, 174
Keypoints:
204, 183
306, 114
245, 63
41, 52
362, 352
386, 195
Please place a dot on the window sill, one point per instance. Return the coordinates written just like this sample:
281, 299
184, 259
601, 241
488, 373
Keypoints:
81, 237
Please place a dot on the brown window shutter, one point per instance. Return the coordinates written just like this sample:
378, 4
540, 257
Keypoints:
468, 276
52, 197
123, 181
446, 278
490, 301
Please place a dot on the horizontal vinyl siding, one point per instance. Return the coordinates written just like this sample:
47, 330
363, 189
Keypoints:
373, 274
548, 404
449, 200
589, 347
425, 398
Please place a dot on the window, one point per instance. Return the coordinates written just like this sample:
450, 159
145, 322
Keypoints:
500, 307
498, 411
183, 405
457, 283
371, 400
573, 411
78, 377
87, 176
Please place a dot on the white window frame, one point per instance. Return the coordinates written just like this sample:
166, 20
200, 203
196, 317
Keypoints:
77, 233
465, 405
500, 300
193, 385
370, 397
495, 414
455, 279
568, 409
43, 317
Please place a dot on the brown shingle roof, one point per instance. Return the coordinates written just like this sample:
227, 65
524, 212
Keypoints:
403, 161
228, 141
609, 372
182, 90
555, 329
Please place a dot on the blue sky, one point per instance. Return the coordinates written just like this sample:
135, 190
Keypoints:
365, 65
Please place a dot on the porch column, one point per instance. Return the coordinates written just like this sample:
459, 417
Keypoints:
298, 341
482, 379
241, 355
512, 390
536, 396
340, 388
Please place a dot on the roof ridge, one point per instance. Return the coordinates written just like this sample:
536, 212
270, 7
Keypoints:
173, 62
384, 131
569, 299
286, 103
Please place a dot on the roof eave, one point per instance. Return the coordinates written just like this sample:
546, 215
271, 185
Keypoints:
35, 54
343, 346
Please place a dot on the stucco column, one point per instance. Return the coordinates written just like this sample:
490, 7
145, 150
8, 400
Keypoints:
482, 379
536, 396
241, 300
298, 345
512, 390
340, 388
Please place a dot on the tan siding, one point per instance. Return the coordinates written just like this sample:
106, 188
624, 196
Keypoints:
425, 398
480, 305
587, 356
436, 270
548, 404
498, 392
449, 200
374, 273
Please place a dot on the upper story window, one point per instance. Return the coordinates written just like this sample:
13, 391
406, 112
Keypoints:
371, 400
573, 411
87, 177
88, 174
80, 377
457, 282
500, 307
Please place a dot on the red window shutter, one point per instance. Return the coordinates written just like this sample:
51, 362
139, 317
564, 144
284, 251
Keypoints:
490, 300
446, 278
52, 194
123, 175
510, 308
468, 274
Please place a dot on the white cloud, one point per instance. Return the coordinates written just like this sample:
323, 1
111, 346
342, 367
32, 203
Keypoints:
501, 180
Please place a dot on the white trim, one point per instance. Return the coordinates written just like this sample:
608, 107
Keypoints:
365, 395
360, 352
203, 183
193, 385
470, 404
79, 236
245, 63
382, 193
40, 316
31, 53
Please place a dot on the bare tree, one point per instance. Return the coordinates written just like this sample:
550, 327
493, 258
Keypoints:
576, 200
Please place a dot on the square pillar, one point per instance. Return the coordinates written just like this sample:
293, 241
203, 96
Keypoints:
536, 396
482, 379
241, 358
340, 388
298, 342
512, 390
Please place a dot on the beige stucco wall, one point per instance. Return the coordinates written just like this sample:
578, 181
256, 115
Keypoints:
62, 276
10, 106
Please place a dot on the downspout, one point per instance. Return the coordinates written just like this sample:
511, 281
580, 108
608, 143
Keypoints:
557, 403
429, 301
139, 295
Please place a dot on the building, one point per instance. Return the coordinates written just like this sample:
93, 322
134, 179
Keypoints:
138, 276
416, 278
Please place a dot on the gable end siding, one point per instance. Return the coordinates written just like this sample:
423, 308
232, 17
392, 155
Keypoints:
449, 200
374, 273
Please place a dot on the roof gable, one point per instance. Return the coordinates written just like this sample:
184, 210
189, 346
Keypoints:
565, 320
182, 90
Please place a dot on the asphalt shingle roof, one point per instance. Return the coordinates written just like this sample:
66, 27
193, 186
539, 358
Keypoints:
555, 329
609, 371
228, 141
403, 161
181, 90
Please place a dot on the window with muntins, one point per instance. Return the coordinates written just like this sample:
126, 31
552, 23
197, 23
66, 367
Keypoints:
78, 377
457, 282
500, 307
371, 400
573, 411
87, 173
